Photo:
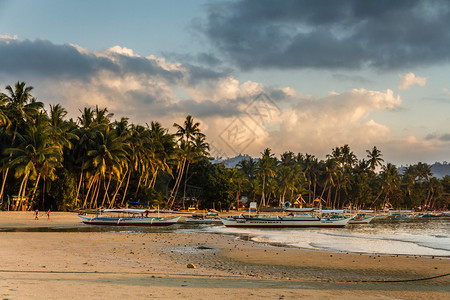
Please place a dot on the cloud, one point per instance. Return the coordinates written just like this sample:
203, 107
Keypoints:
7, 37
410, 79
328, 34
358, 79
434, 136
237, 116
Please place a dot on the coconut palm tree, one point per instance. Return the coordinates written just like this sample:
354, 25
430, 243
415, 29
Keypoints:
186, 133
59, 129
266, 169
4, 120
390, 181
107, 160
19, 107
374, 157
35, 158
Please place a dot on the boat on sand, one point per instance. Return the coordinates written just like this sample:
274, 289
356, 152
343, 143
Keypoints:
293, 221
128, 217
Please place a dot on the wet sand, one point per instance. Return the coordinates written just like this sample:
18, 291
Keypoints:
100, 265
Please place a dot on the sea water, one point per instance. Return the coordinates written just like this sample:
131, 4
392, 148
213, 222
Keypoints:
413, 237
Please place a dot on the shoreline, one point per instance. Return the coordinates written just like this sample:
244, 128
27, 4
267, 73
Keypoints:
154, 265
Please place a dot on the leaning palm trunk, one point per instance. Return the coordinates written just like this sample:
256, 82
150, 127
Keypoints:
20, 190
24, 188
94, 185
282, 197
153, 182
99, 185
185, 182
91, 182
139, 185
126, 188
7, 169
106, 189
113, 200
35, 188
177, 182
324, 189
5, 174
79, 185
263, 200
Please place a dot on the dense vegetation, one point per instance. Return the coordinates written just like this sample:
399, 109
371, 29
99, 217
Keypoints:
93, 161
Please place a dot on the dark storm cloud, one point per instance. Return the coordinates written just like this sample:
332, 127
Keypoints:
434, 136
48, 60
45, 59
330, 34
445, 137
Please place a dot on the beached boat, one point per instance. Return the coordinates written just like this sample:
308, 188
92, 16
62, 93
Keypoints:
202, 220
361, 219
128, 217
294, 221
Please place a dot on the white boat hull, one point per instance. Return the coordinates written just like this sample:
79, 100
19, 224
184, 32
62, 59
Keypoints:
283, 222
361, 220
129, 221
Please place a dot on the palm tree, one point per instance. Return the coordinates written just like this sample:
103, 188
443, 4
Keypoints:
390, 182
266, 169
107, 159
330, 173
187, 134
238, 178
248, 166
4, 120
374, 157
60, 130
19, 107
311, 172
34, 158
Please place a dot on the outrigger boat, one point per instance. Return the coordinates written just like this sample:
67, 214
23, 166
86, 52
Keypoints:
362, 217
290, 221
128, 217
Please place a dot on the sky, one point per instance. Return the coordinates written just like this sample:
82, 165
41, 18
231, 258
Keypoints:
294, 75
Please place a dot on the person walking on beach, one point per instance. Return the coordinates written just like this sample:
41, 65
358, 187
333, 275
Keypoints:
36, 214
48, 215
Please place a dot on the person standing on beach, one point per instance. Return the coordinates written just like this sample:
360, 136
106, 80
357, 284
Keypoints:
48, 214
36, 214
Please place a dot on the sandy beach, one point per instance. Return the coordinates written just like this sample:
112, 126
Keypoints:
39, 261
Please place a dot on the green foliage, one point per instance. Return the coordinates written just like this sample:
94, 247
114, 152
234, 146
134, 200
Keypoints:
95, 162
62, 192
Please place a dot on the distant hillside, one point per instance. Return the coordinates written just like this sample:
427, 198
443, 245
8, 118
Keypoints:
438, 169
232, 161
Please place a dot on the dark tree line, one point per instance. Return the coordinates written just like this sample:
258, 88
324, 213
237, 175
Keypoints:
94, 161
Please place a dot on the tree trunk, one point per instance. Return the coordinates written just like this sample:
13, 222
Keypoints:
5, 174
263, 200
79, 185
185, 182
35, 187
113, 200
324, 189
139, 185
174, 192
7, 169
126, 188
91, 182
43, 195
153, 182
98, 191
95, 185
106, 189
